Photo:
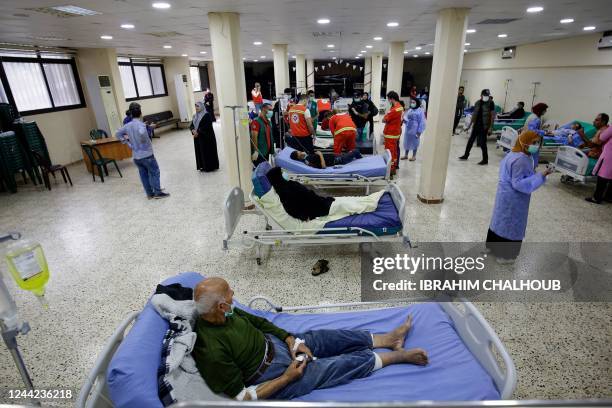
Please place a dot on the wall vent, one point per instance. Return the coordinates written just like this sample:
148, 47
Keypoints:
498, 20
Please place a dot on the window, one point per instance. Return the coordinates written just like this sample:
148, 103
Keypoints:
194, 72
199, 78
142, 80
35, 83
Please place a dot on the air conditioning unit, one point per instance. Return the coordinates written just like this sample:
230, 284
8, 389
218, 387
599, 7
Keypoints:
103, 103
508, 53
182, 97
605, 41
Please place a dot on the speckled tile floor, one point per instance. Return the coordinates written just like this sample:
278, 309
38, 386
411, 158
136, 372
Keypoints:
107, 247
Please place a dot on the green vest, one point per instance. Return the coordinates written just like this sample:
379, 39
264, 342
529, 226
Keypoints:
262, 140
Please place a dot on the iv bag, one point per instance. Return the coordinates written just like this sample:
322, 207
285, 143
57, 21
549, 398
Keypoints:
27, 264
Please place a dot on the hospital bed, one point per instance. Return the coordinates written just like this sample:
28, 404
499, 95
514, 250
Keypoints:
369, 171
574, 164
516, 124
552, 148
507, 138
385, 224
468, 362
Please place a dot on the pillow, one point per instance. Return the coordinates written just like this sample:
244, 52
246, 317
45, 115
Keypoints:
261, 184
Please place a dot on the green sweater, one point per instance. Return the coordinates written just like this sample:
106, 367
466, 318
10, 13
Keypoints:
228, 354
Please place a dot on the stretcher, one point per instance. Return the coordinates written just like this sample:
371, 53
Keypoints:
369, 171
468, 361
574, 165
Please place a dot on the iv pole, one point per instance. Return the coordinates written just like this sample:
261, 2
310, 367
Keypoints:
11, 330
233, 108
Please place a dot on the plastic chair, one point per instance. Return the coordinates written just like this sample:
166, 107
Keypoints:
95, 134
99, 162
46, 168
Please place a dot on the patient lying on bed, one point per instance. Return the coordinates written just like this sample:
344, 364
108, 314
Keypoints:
320, 160
571, 134
246, 357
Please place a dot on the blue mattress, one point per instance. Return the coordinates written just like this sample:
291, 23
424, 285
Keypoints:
452, 374
369, 166
384, 221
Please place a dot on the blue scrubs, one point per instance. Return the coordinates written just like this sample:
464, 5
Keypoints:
535, 123
414, 119
517, 180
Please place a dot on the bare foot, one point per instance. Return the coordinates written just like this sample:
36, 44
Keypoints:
394, 340
413, 356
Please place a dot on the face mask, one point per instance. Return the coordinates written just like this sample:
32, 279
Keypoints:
355, 100
413, 105
485, 99
269, 114
533, 149
285, 176
312, 98
231, 311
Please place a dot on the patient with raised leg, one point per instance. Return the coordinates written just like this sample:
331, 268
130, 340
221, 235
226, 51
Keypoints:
246, 357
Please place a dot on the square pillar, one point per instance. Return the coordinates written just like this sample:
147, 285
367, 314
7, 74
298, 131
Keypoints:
300, 74
377, 62
310, 74
395, 69
281, 69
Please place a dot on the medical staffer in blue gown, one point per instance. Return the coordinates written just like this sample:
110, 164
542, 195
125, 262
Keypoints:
517, 180
535, 122
414, 121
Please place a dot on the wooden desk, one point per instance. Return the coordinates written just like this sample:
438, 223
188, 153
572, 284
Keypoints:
109, 147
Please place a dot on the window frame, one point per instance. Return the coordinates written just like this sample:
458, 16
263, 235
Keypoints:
201, 68
133, 64
41, 61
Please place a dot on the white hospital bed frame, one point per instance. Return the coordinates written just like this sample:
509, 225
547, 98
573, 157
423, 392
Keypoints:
475, 332
573, 163
276, 235
345, 180
507, 138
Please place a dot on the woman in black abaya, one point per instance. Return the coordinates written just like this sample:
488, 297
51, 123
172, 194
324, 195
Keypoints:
204, 139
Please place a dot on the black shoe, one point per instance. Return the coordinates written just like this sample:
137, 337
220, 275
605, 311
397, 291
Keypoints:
592, 200
161, 195
483, 163
464, 157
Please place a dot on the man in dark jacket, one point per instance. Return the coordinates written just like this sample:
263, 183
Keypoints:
359, 113
372, 111
482, 123
460, 108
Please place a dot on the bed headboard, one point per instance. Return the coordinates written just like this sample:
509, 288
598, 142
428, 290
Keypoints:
232, 210
398, 199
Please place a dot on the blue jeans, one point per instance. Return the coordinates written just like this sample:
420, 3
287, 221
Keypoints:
346, 158
342, 355
258, 107
149, 175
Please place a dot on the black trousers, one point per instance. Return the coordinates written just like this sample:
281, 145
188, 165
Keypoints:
303, 144
479, 135
371, 122
603, 190
458, 114
502, 247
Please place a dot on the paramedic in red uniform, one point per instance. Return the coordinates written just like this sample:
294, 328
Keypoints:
344, 132
300, 124
393, 126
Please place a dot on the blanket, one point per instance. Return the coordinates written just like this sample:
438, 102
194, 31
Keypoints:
178, 377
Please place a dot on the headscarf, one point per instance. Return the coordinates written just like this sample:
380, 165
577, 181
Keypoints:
299, 201
525, 139
418, 103
198, 115
539, 108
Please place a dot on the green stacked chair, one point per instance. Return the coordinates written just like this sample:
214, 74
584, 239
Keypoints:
13, 160
8, 114
32, 139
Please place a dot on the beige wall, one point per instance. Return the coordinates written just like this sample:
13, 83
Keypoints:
575, 77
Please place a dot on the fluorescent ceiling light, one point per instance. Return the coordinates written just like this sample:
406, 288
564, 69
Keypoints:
418, 48
428, 53
183, 55
392, 24
257, 43
535, 9
323, 21
167, 46
127, 26
202, 52
470, 31
330, 45
502, 35
468, 43
77, 11
255, 60
368, 46
334, 57
589, 28
464, 50
405, 52
377, 38
293, 56
362, 51
262, 57
244, 59
415, 56
161, 5
567, 21
106, 37
359, 55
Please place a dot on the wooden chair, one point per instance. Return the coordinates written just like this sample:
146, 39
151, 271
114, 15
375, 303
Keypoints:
99, 162
47, 168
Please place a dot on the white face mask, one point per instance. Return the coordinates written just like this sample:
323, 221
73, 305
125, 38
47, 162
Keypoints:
413, 105
485, 99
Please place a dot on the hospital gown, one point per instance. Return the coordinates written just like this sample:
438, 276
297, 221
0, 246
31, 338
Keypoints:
517, 180
414, 121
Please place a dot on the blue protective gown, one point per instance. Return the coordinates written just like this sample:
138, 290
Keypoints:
414, 121
517, 180
535, 123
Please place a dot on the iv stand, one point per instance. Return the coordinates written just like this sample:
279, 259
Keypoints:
9, 335
233, 108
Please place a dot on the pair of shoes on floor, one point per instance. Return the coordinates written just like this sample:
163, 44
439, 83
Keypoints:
320, 267
404, 158
483, 163
161, 195
464, 157
592, 200
412, 158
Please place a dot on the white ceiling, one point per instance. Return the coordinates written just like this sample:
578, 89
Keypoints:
292, 22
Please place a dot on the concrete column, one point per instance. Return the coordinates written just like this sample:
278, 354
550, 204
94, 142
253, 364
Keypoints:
367, 75
445, 73
300, 73
281, 68
310, 74
377, 60
179, 66
395, 68
224, 31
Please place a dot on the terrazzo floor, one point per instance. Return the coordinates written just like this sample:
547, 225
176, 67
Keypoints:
108, 246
